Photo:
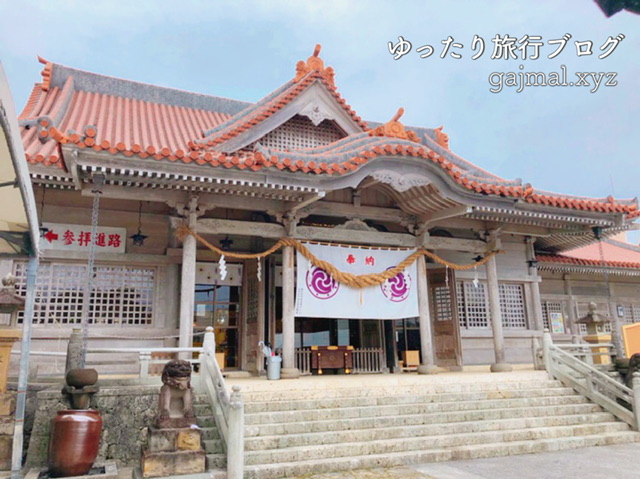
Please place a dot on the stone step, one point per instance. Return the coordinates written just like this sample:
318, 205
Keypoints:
213, 446
408, 409
202, 409
385, 446
372, 434
210, 433
216, 461
206, 421
307, 467
329, 403
408, 420
263, 394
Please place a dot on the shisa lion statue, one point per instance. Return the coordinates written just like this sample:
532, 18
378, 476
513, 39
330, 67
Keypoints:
175, 407
634, 366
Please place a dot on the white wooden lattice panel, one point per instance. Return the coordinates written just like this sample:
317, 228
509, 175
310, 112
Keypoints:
512, 305
473, 305
631, 313
123, 295
473, 308
299, 133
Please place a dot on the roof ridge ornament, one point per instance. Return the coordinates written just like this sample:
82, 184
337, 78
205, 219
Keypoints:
442, 138
314, 63
46, 73
394, 129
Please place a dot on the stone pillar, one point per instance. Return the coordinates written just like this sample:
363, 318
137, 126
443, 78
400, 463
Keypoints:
537, 321
428, 365
496, 318
289, 369
74, 350
188, 285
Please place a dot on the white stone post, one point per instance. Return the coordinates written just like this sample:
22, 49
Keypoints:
145, 359
208, 350
289, 369
538, 363
235, 439
188, 285
500, 365
635, 384
428, 365
547, 342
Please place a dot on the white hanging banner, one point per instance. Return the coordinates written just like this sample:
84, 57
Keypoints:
320, 296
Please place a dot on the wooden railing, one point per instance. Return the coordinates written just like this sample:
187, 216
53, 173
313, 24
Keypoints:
303, 360
612, 396
365, 360
368, 360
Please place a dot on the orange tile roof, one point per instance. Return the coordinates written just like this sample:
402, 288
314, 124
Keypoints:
132, 119
254, 115
616, 254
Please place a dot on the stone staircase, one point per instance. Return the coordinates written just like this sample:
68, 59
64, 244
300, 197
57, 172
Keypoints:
216, 460
294, 430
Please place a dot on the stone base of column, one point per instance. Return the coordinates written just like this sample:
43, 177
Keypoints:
501, 368
289, 373
428, 369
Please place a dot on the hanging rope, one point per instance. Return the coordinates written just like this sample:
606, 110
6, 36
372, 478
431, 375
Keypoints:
349, 279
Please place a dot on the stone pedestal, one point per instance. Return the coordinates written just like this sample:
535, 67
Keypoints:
173, 451
7, 338
7, 408
596, 339
7, 399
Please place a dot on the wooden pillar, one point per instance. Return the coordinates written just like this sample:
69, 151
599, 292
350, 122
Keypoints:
428, 365
289, 369
188, 285
537, 322
496, 318
571, 306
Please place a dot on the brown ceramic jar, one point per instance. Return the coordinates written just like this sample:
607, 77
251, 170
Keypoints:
74, 442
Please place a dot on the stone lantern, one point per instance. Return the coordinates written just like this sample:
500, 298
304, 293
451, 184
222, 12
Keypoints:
596, 333
10, 303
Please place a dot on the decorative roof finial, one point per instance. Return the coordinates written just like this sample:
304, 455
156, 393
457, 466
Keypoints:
394, 129
442, 138
46, 73
314, 63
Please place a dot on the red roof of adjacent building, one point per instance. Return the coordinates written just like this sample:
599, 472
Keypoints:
618, 254
128, 118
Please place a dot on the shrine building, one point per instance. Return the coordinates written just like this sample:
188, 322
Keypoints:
225, 213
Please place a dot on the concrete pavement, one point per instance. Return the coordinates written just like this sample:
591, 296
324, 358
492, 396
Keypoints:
605, 462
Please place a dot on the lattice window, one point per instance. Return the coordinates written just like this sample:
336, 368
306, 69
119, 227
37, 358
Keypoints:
549, 307
631, 313
473, 305
299, 133
123, 295
442, 303
512, 305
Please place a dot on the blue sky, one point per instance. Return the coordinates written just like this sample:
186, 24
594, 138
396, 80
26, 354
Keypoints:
563, 139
